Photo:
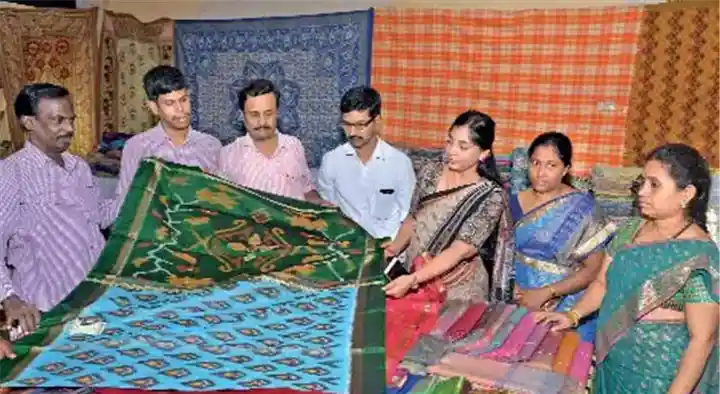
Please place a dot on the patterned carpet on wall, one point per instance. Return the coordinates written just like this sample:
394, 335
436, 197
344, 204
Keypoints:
207, 286
313, 60
56, 46
130, 48
531, 70
675, 89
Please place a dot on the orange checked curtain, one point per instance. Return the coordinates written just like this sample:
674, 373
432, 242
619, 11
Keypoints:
531, 70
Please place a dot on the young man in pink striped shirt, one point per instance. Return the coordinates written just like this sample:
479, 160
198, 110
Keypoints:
266, 159
51, 212
173, 139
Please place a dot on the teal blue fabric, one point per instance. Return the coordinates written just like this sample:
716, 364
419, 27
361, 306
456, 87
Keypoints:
257, 334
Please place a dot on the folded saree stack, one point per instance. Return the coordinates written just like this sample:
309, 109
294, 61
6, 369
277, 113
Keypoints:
207, 286
497, 348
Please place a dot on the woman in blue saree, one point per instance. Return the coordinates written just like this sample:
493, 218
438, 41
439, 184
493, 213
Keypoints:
657, 291
559, 233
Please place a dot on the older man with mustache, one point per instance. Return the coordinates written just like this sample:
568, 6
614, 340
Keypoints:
173, 139
51, 212
266, 159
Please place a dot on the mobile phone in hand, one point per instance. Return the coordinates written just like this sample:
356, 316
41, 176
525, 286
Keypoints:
395, 269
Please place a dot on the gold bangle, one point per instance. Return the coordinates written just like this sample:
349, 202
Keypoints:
574, 317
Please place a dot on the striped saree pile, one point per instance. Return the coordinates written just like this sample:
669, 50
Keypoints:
497, 347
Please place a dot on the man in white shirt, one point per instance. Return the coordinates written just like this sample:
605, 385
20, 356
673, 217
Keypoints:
369, 180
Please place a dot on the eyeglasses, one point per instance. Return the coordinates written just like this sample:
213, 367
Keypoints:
357, 126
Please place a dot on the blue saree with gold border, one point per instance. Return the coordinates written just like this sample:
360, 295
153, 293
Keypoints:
551, 242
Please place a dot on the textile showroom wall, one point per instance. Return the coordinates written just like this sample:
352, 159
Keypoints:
607, 74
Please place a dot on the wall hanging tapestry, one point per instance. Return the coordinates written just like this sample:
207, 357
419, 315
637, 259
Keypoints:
531, 70
56, 46
206, 286
129, 49
675, 90
313, 60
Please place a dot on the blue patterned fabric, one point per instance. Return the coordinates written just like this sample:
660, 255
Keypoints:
313, 60
246, 335
548, 239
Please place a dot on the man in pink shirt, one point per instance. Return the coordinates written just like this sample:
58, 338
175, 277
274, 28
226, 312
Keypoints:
173, 139
265, 159
51, 212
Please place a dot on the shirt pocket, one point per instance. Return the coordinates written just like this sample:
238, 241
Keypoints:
294, 178
385, 201
35, 207
79, 196
89, 204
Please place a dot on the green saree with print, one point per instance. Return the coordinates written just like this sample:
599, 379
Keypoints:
205, 285
636, 354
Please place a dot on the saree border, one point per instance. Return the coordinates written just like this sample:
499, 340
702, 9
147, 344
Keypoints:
135, 225
367, 344
591, 245
537, 212
585, 249
542, 265
645, 300
445, 234
577, 216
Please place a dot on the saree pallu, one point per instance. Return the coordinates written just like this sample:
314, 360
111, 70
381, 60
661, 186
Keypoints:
477, 214
551, 243
636, 355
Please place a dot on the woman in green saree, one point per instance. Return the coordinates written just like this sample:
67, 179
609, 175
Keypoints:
657, 292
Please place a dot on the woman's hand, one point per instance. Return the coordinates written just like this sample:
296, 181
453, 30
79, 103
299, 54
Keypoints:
533, 299
390, 249
558, 321
400, 286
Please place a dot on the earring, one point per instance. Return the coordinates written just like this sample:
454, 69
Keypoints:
683, 204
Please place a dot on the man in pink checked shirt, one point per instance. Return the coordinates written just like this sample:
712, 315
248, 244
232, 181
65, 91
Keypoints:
266, 159
173, 139
51, 212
